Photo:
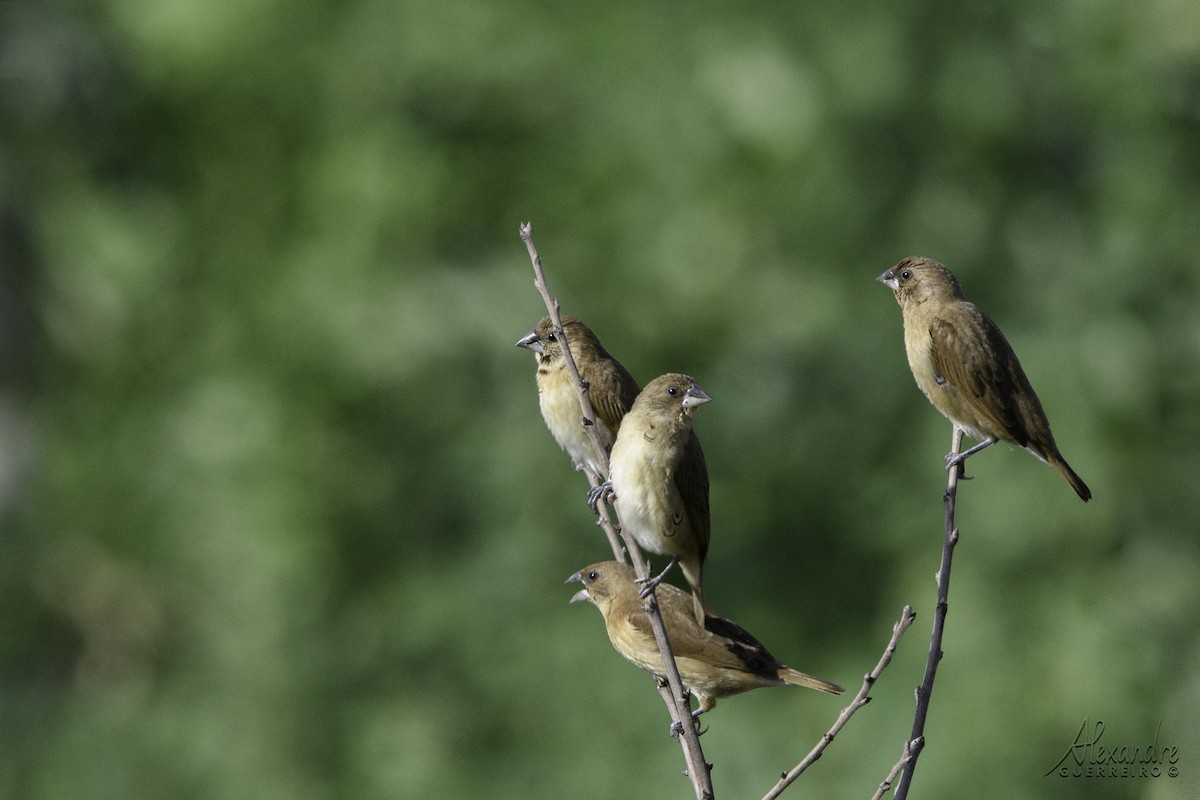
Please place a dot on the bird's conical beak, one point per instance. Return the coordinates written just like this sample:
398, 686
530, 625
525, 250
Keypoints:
695, 396
531, 341
888, 279
582, 594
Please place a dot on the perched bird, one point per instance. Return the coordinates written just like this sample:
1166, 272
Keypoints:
967, 369
718, 659
660, 481
612, 389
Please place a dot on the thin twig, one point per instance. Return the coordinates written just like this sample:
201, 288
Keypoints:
861, 699
672, 692
925, 690
588, 421
911, 748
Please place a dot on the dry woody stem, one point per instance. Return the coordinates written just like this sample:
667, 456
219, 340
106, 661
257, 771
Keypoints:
861, 699
911, 748
916, 742
673, 693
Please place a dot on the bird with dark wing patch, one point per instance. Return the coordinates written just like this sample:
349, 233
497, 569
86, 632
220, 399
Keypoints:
715, 660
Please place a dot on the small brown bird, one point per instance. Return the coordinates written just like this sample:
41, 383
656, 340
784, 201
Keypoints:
658, 475
612, 389
716, 660
967, 369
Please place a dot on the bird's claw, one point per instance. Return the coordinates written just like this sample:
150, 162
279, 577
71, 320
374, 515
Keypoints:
958, 460
650, 585
603, 492
677, 726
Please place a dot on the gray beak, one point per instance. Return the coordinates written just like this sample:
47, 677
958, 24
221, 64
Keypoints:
531, 341
582, 594
888, 279
695, 396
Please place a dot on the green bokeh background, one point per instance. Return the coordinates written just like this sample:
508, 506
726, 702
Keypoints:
280, 518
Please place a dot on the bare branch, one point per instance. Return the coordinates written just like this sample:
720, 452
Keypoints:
673, 692
585, 404
861, 699
911, 748
925, 690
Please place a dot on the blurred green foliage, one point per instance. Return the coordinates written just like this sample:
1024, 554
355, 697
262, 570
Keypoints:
280, 518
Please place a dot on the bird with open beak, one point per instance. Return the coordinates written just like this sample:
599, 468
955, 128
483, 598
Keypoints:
717, 659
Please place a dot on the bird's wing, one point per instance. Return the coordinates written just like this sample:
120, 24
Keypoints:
612, 395
728, 629
722, 644
975, 358
675, 605
691, 480
727, 644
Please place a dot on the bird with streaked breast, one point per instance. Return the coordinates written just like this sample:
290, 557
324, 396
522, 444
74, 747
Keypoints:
611, 389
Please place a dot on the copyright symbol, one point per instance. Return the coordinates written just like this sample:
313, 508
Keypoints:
1173, 772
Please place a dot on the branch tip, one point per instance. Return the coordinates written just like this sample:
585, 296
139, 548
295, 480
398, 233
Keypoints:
860, 699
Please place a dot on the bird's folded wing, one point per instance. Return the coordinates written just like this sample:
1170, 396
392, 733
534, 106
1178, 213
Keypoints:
612, 395
691, 481
973, 358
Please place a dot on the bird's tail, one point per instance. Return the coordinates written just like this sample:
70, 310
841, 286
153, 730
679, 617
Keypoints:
1064, 469
795, 678
698, 606
692, 569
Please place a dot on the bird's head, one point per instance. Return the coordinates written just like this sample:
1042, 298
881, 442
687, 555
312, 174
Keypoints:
602, 582
545, 344
672, 394
917, 279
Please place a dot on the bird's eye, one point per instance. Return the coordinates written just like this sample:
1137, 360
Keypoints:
672, 390
905, 274
591, 576
550, 337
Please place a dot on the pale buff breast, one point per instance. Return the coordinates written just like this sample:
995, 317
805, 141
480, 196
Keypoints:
944, 396
637, 648
560, 409
642, 504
